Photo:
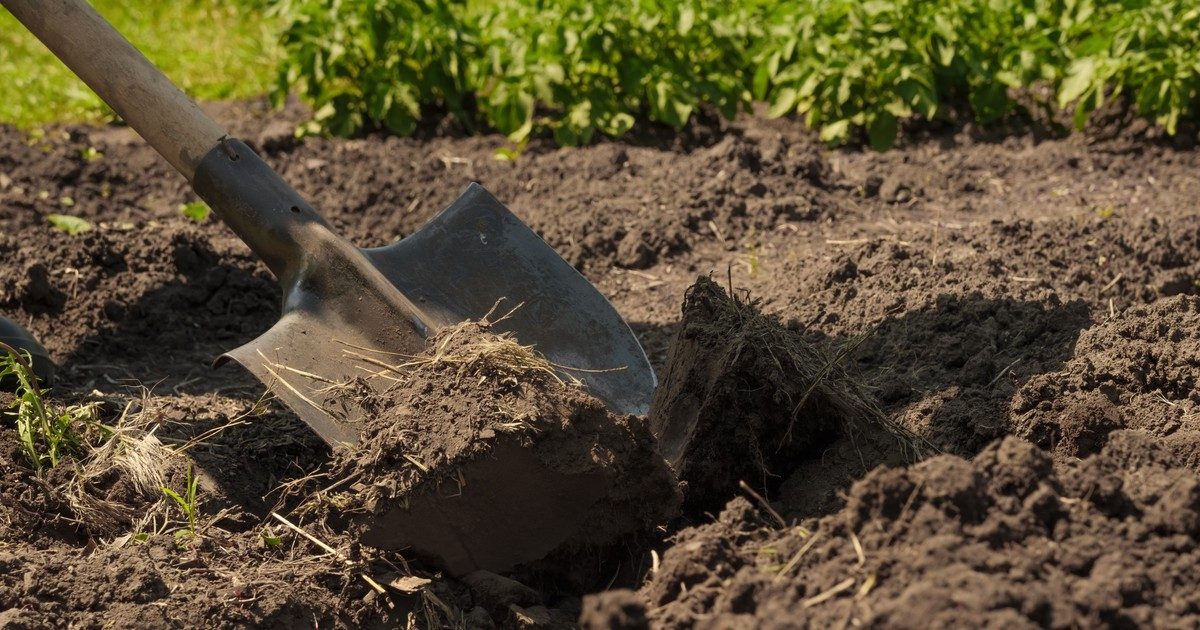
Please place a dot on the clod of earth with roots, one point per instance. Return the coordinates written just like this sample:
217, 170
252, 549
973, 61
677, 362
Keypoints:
479, 455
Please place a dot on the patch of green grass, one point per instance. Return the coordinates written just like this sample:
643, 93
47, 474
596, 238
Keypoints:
221, 49
188, 503
47, 434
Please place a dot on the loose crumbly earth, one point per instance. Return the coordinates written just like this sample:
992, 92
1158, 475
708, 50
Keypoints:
480, 455
991, 286
1010, 539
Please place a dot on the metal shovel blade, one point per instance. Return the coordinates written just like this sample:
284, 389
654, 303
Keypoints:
474, 258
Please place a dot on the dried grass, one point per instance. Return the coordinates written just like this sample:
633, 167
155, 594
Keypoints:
471, 354
131, 455
827, 384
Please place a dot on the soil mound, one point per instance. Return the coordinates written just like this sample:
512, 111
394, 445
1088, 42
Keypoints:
481, 456
1010, 539
745, 399
1136, 370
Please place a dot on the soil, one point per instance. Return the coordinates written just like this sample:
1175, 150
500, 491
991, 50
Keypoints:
480, 457
1023, 304
743, 398
1009, 539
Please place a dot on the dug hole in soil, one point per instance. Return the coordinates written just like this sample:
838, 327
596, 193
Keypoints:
954, 383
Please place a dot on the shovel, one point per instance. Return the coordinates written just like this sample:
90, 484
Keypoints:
18, 342
345, 308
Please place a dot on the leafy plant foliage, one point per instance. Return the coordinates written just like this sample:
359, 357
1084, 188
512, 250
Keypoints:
47, 433
187, 503
855, 70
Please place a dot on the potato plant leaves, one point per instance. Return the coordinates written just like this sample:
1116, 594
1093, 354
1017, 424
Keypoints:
854, 70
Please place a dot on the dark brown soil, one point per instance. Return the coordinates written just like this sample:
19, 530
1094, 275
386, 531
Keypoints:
988, 288
1138, 370
1010, 539
479, 456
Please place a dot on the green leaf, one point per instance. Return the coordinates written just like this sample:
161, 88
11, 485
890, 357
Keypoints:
682, 112
836, 131
1081, 75
762, 79
687, 19
882, 131
174, 496
1086, 106
506, 154
197, 211
783, 103
69, 224
615, 125
946, 54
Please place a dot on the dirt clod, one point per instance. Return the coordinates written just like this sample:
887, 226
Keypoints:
480, 456
618, 609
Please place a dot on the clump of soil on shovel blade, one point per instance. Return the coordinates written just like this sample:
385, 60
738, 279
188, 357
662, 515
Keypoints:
482, 456
745, 399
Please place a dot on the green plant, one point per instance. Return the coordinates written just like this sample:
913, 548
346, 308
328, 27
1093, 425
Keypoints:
1146, 49
573, 68
70, 224
850, 66
47, 435
367, 65
187, 503
197, 211
855, 70
270, 539
579, 67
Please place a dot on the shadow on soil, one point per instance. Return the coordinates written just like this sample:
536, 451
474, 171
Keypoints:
948, 374
949, 371
169, 336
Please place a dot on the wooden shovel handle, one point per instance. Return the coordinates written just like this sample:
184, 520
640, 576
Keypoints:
123, 78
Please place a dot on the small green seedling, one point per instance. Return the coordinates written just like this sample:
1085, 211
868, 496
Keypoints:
753, 262
197, 211
46, 435
69, 224
270, 539
91, 154
187, 503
